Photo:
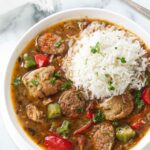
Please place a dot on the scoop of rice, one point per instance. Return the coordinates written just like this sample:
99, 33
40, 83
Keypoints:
105, 61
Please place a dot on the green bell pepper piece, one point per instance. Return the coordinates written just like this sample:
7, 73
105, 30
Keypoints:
29, 62
125, 133
54, 111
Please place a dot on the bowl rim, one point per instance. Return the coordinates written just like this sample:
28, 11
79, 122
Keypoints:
10, 127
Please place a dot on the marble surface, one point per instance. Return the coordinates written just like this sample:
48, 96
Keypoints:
13, 25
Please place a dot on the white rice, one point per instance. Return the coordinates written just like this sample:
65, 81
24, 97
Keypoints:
92, 71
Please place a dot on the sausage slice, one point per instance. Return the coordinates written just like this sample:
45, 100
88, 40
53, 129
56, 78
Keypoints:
72, 103
51, 43
103, 136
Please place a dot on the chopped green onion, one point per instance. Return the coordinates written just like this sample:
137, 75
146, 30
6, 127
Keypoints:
138, 102
96, 48
66, 85
58, 43
34, 82
110, 82
55, 77
122, 59
17, 81
110, 86
98, 116
80, 110
53, 80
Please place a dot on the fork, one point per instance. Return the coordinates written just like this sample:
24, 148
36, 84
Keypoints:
139, 8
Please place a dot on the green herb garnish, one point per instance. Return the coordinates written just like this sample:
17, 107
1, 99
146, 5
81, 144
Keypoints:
115, 123
66, 85
96, 48
110, 86
80, 110
122, 59
34, 82
56, 76
17, 81
53, 80
58, 44
98, 116
138, 102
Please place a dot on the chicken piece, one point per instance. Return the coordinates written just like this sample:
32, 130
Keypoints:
38, 82
117, 107
33, 113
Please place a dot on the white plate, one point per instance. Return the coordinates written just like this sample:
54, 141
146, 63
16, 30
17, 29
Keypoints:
9, 116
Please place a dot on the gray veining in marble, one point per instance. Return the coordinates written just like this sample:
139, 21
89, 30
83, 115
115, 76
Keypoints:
15, 23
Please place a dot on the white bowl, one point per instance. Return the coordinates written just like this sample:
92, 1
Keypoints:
9, 116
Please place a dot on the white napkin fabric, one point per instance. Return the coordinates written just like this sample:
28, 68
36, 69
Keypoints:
49, 5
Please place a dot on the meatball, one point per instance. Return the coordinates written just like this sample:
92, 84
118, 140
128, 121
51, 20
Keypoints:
103, 136
38, 82
117, 107
51, 43
33, 113
72, 103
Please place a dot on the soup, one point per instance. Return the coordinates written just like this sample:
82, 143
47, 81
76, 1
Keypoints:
83, 84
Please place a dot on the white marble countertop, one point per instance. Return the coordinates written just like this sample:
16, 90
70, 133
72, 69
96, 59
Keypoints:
15, 23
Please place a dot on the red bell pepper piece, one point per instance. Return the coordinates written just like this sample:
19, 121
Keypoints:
137, 125
89, 115
146, 95
41, 60
84, 128
55, 142
136, 122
